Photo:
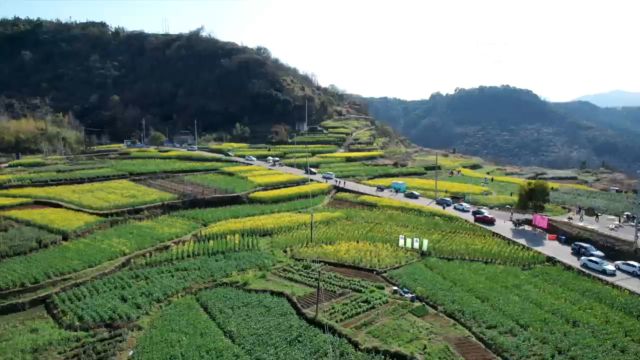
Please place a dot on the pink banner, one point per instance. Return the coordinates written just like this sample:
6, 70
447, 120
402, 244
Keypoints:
540, 221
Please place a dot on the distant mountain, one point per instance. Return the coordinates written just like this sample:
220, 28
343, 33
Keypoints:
512, 125
111, 78
616, 98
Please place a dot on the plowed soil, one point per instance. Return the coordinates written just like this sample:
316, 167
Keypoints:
355, 273
309, 300
469, 349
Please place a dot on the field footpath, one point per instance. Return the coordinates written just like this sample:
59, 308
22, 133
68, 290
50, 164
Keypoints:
535, 240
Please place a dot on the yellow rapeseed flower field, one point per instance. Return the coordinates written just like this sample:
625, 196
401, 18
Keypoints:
242, 169
267, 224
429, 184
521, 181
264, 177
354, 155
7, 201
259, 173
290, 192
104, 195
57, 220
277, 179
366, 254
389, 203
228, 146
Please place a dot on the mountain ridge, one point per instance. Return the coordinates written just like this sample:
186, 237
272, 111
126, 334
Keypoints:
511, 125
110, 79
614, 98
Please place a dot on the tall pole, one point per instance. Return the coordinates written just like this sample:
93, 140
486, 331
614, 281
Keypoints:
306, 109
637, 208
195, 130
436, 175
318, 292
143, 130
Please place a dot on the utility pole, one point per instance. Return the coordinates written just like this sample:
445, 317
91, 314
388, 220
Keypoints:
84, 138
318, 292
637, 208
195, 130
436, 175
143, 130
306, 111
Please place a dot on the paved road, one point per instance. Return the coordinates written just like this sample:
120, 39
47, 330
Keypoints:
626, 232
532, 238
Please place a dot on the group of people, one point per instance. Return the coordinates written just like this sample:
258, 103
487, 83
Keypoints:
338, 182
580, 211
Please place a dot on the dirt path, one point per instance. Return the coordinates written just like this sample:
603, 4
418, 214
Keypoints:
349, 140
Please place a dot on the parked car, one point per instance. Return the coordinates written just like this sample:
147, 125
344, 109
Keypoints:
412, 195
381, 188
597, 264
250, 158
583, 249
630, 267
228, 153
404, 293
192, 148
464, 207
310, 171
480, 211
444, 201
484, 219
329, 176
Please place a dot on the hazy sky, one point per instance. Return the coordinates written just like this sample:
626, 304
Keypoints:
560, 49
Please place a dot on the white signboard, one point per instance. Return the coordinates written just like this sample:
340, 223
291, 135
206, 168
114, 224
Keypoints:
416, 243
401, 241
407, 242
425, 244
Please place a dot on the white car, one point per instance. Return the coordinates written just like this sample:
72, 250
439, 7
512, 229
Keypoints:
192, 148
329, 176
630, 267
250, 158
464, 207
597, 264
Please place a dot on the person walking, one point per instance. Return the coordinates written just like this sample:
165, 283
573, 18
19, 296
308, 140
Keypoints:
597, 217
581, 215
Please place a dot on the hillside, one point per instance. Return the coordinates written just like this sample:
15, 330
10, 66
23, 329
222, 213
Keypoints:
515, 126
111, 78
616, 98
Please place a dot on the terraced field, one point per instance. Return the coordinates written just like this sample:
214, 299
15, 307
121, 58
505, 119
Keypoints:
283, 269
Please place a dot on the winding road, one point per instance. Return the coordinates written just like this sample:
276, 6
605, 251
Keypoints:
532, 238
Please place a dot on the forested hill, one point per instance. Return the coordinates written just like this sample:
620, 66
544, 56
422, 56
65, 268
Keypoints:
516, 126
110, 78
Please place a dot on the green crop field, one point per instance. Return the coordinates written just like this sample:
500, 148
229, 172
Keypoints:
165, 337
127, 295
19, 239
93, 250
544, 313
285, 268
281, 334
